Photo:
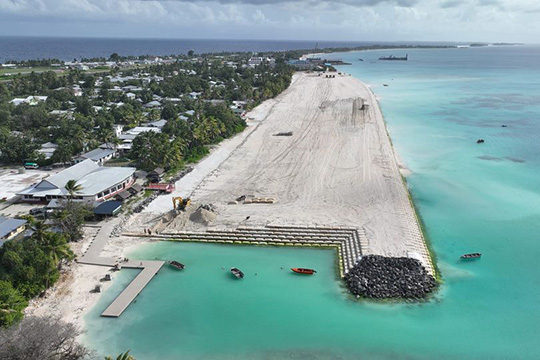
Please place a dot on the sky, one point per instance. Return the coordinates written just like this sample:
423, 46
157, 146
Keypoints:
347, 20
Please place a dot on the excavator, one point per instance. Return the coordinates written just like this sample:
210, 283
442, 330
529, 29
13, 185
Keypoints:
180, 203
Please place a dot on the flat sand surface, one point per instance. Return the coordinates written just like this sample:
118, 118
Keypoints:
338, 168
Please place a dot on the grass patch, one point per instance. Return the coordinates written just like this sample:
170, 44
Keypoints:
173, 171
197, 154
147, 193
122, 162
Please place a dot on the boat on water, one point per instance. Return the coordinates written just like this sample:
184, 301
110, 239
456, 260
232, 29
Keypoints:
177, 265
471, 256
237, 273
304, 271
480, 141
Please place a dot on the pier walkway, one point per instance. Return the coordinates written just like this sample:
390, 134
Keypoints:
149, 269
92, 257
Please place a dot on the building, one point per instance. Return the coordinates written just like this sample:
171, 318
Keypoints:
99, 156
47, 150
30, 100
156, 175
257, 60
238, 107
98, 183
153, 104
157, 124
76, 90
9, 228
130, 135
108, 208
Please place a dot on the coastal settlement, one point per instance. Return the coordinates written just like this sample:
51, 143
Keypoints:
81, 147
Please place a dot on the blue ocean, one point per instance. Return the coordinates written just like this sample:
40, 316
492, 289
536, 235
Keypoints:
471, 198
69, 48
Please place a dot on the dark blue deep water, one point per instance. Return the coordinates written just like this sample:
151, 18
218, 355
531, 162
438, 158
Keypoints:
26, 48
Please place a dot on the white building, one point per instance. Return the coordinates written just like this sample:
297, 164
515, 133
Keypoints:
48, 150
99, 156
130, 135
194, 95
98, 183
30, 100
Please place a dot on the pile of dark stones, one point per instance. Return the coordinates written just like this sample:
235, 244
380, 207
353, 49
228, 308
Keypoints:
380, 277
140, 206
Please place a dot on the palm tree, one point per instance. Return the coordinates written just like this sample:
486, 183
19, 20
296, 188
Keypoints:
72, 188
123, 356
40, 230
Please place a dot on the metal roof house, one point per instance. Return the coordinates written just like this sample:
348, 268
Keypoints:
98, 183
9, 228
99, 156
108, 208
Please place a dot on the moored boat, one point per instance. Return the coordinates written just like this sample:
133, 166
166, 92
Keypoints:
304, 271
237, 273
177, 265
471, 256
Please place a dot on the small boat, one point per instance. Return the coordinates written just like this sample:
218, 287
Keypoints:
471, 256
385, 84
237, 273
177, 265
304, 271
480, 141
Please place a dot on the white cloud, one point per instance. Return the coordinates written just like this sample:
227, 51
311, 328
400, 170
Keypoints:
474, 20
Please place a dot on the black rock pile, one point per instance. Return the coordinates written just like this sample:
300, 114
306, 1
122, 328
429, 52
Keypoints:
379, 277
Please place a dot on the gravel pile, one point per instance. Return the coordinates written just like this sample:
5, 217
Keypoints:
379, 277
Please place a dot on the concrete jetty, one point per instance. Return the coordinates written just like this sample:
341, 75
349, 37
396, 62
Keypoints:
92, 257
149, 269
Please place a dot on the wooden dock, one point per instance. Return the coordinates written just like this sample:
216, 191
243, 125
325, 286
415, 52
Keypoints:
149, 269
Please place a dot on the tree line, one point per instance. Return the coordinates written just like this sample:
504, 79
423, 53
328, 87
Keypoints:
90, 118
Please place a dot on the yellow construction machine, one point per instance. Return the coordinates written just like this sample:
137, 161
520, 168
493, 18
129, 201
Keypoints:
180, 203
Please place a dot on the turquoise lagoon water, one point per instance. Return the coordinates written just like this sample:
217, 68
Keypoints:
471, 197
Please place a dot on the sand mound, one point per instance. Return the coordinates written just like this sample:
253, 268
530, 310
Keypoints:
202, 216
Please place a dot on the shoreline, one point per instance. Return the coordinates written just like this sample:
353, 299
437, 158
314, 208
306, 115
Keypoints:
71, 298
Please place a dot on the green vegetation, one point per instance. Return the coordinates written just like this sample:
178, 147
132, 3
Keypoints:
27, 268
81, 123
123, 356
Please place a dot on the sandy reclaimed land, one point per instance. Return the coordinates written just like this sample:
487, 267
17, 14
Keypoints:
338, 168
